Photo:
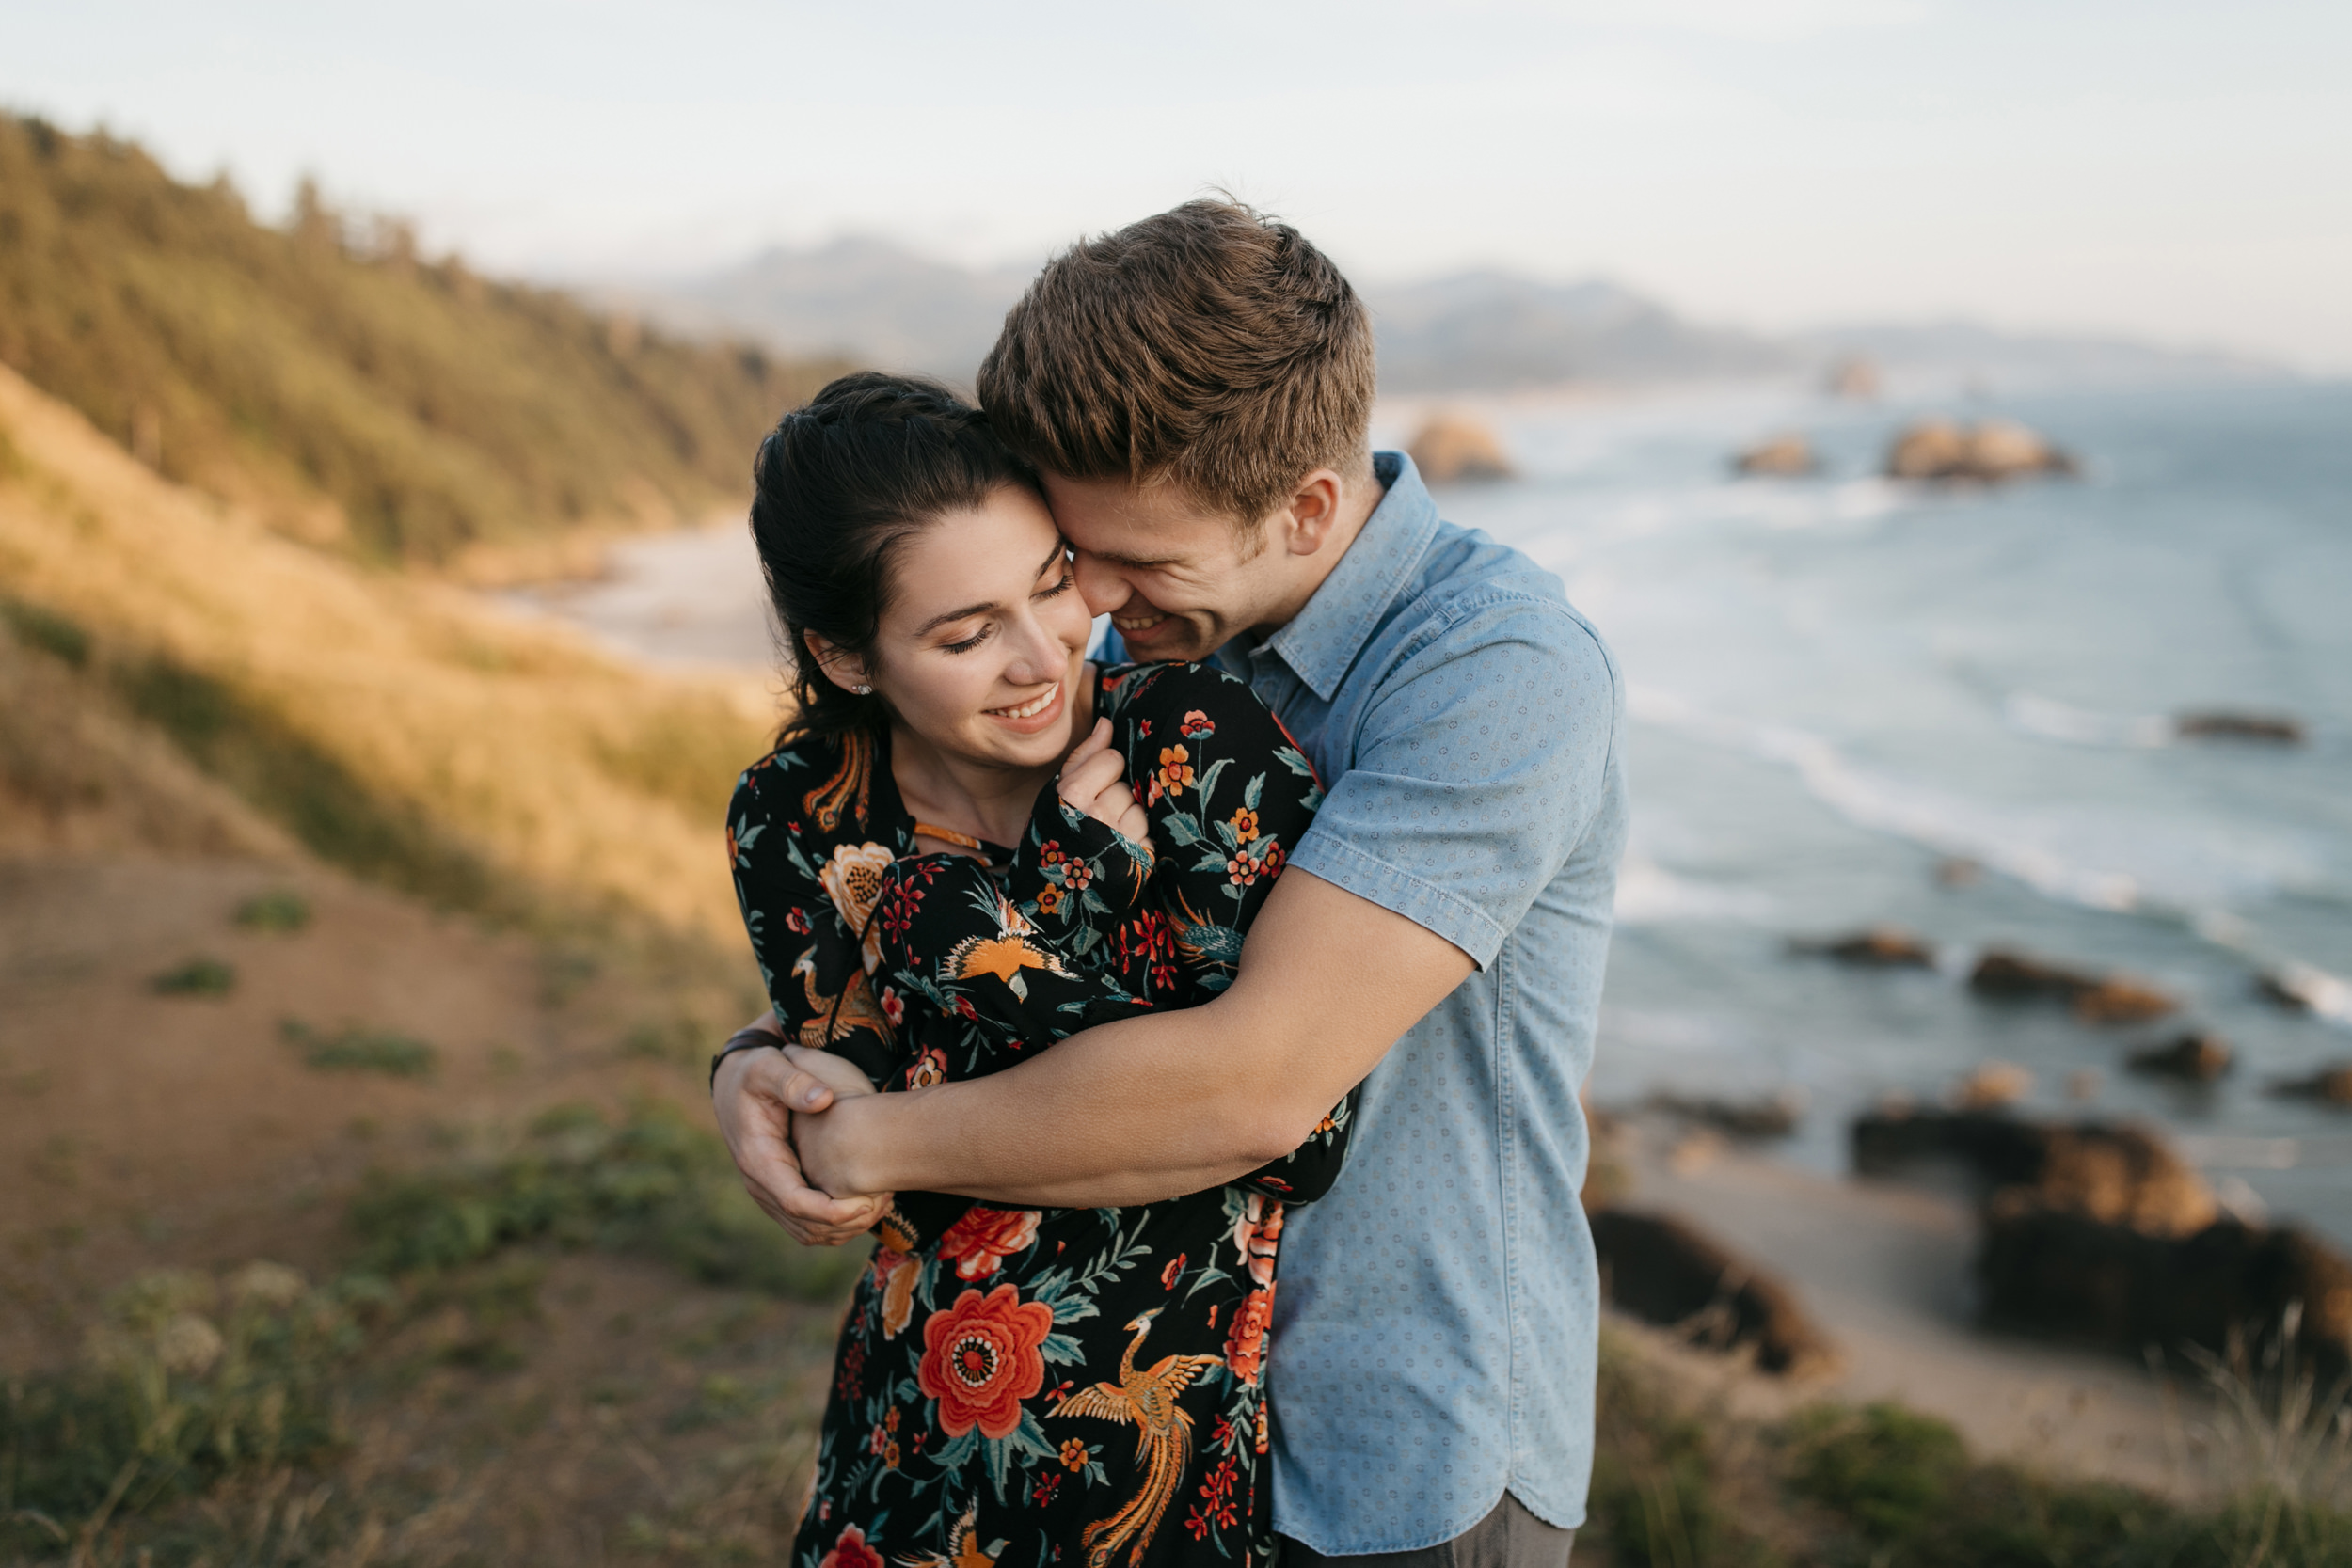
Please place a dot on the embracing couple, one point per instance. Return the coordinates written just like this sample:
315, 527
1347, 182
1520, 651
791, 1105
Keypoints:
1200, 1032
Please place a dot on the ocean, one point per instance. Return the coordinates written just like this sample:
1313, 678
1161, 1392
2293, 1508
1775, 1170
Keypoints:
1839, 685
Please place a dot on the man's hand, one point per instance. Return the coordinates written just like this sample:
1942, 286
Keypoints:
1094, 780
756, 1096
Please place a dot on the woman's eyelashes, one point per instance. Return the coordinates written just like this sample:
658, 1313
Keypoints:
1061, 585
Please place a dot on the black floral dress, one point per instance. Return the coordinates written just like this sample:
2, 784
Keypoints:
1020, 1385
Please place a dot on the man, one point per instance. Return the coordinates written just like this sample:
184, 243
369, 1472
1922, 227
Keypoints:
1195, 392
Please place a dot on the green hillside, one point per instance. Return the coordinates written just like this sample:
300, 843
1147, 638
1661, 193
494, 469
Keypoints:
354, 391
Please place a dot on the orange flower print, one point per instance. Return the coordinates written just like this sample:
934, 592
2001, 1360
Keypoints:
1074, 1454
1049, 900
1244, 1340
928, 1068
980, 1360
985, 1237
1258, 1234
1172, 776
851, 1551
1245, 823
1196, 724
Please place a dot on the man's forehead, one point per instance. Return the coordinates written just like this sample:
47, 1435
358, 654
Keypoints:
1135, 524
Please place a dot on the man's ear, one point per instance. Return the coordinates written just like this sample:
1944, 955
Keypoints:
843, 669
1312, 511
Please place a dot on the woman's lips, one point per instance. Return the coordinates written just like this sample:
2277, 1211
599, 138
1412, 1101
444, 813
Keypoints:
1036, 713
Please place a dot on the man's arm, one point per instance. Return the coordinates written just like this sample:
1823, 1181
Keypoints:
1153, 1106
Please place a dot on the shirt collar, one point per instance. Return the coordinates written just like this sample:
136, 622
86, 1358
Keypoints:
1322, 641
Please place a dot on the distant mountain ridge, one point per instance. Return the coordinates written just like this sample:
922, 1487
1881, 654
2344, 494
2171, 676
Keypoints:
1480, 330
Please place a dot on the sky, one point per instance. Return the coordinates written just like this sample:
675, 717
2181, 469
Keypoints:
2178, 171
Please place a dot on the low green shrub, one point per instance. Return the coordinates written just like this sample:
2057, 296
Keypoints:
651, 1182
352, 1048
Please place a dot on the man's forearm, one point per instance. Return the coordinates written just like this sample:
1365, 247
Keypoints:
1143, 1109
1165, 1103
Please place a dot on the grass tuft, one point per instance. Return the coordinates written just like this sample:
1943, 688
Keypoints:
650, 1183
198, 976
279, 910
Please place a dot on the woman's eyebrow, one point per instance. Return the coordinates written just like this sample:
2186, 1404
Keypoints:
938, 621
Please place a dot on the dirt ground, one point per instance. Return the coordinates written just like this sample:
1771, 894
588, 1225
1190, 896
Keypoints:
626, 1413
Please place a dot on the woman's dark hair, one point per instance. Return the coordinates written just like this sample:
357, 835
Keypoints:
841, 484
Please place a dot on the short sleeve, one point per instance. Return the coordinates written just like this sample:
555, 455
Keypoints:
1480, 763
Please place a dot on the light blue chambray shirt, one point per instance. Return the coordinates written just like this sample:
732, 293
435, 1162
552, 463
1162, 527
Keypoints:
1437, 1315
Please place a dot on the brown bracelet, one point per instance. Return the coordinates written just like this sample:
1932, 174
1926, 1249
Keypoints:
750, 1038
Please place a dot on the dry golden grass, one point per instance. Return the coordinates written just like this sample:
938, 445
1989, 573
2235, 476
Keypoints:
550, 777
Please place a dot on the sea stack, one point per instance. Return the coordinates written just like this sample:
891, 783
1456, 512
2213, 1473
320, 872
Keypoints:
1989, 452
1455, 447
1787, 455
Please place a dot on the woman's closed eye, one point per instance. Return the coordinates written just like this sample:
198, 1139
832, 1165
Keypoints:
970, 642
1062, 584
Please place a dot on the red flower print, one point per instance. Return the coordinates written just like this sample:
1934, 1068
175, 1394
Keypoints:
795, 919
1245, 823
980, 1360
1242, 871
894, 1009
1270, 860
1041, 1490
852, 1370
1076, 875
1174, 1272
1196, 724
851, 1551
1053, 852
1244, 1339
928, 1068
986, 1237
1143, 729
964, 1006
1215, 1509
879, 1441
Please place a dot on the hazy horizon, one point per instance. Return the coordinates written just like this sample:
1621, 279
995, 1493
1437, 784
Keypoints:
2156, 172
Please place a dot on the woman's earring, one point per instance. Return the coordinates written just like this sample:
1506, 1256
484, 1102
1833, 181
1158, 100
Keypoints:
863, 690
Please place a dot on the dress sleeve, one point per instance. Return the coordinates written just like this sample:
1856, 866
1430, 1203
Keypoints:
1228, 795
808, 956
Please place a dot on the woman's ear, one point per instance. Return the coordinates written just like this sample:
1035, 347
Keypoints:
841, 667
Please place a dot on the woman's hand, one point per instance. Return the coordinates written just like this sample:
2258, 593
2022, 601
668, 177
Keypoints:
1094, 780
808, 1126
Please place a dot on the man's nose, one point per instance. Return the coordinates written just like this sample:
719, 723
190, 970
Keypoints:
1101, 586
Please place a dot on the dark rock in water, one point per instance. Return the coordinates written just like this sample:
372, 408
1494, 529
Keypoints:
1785, 456
1988, 1087
1665, 1270
1774, 1116
1879, 947
2200, 1057
2332, 1084
2115, 1174
2275, 729
2094, 998
1453, 448
2052, 1271
1989, 452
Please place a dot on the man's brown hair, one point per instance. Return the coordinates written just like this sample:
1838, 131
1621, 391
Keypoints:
1210, 345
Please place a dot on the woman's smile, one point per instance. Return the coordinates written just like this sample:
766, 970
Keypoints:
1033, 716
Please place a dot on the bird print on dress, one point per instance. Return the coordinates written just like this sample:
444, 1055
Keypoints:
1146, 1400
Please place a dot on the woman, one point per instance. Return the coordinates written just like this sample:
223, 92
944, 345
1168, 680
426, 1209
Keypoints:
942, 868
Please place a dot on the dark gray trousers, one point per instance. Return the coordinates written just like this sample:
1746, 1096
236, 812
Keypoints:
1509, 1536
